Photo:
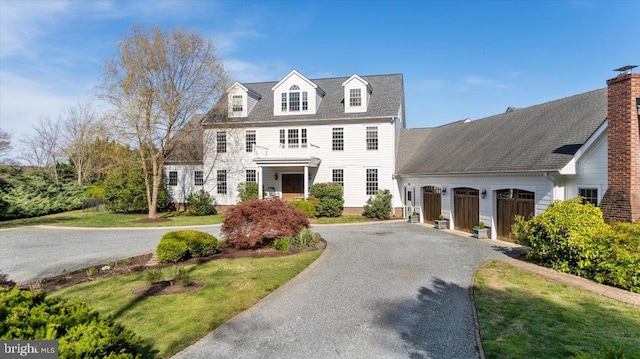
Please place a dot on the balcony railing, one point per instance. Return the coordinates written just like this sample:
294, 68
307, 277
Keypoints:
286, 151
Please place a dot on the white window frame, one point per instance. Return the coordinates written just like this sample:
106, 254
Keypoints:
337, 176
371, 181
337, 139
250, 140
372, 138
173, 178
251, 175
355, 97
221, 177
221, 141
236, 103
589, 198
198, 178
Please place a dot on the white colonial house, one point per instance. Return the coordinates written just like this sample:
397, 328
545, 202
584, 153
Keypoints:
290, 134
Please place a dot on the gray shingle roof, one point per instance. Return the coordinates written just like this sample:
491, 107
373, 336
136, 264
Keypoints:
537, 138
386, 100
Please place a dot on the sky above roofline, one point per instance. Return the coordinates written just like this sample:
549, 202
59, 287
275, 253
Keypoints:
459, 59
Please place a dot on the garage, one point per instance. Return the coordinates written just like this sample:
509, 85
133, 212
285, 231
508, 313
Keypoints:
431, 202
466, 207
510, 203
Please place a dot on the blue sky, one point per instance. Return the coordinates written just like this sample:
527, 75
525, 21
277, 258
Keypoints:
460, 59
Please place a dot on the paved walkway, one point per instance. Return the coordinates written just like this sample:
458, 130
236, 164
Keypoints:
389, 290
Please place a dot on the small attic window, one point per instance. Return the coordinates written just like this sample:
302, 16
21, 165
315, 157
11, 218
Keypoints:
236, 103
355, 97
294, 88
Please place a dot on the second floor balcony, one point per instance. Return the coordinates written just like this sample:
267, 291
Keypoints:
287, 154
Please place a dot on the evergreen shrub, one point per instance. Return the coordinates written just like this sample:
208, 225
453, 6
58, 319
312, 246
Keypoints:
257, 222
81, 332
379, 206
176, 246
306, 207
330, 198
200, 203
247, 191
569, 237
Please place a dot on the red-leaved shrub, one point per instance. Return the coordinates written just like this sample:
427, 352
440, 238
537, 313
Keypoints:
257, 222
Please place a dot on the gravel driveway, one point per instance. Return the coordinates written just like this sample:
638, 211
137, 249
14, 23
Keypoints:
30, 253
388, 290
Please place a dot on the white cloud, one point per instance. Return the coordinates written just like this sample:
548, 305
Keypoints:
23, 22
244, 71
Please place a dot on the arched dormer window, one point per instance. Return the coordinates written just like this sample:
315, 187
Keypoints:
291, 100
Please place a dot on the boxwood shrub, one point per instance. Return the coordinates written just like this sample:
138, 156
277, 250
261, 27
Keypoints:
81, 332
184, 244
330, 198
306, 207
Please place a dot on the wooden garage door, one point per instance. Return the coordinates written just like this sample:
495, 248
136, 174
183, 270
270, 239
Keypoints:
512, 202
466, 208
431, 203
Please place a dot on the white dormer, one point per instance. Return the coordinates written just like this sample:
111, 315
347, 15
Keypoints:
241, 100
357, 93
296, 95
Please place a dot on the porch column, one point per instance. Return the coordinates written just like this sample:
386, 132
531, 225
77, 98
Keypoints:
260, 194
306, 182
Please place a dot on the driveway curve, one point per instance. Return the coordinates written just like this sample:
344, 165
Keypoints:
388, 290
32, 253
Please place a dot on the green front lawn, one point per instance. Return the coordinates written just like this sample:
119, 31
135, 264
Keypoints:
170, 323
523, 315
105, 219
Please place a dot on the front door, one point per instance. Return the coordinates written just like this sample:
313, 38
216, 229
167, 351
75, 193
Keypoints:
292, 186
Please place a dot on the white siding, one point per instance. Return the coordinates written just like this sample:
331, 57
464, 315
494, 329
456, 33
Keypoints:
592, 171
186, 182
539, 184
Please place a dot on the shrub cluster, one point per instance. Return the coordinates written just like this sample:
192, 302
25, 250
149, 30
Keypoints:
81, 332
254, 223
307, 207
572, 237
330, 199
25, 195
125, 192
379, 206
200, 203
177, 246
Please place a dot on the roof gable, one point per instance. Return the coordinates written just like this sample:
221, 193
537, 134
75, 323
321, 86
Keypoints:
299, 76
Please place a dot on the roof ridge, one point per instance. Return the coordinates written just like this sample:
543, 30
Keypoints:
325, 78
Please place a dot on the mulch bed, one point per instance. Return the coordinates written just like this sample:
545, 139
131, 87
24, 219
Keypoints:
139, 263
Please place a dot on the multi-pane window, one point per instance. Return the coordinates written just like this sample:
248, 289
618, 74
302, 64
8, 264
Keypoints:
198, 178
338, 176
251, 176
221, 141
222, 181
292, 138
291, 101
337, 139
372, 138
355, 98
250, 140
372, 181
590, 195
294, 101
173, 178
236, 103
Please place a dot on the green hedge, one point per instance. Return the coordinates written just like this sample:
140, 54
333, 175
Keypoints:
81, 332
180, 245
572, 237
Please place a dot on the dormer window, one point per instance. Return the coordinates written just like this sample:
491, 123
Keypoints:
291, 100
355, 97
236, 103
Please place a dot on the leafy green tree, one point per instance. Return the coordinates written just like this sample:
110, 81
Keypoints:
125, 192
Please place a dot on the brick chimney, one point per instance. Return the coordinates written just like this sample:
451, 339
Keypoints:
621, 201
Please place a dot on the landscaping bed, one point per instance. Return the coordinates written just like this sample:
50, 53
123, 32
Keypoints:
140, 263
